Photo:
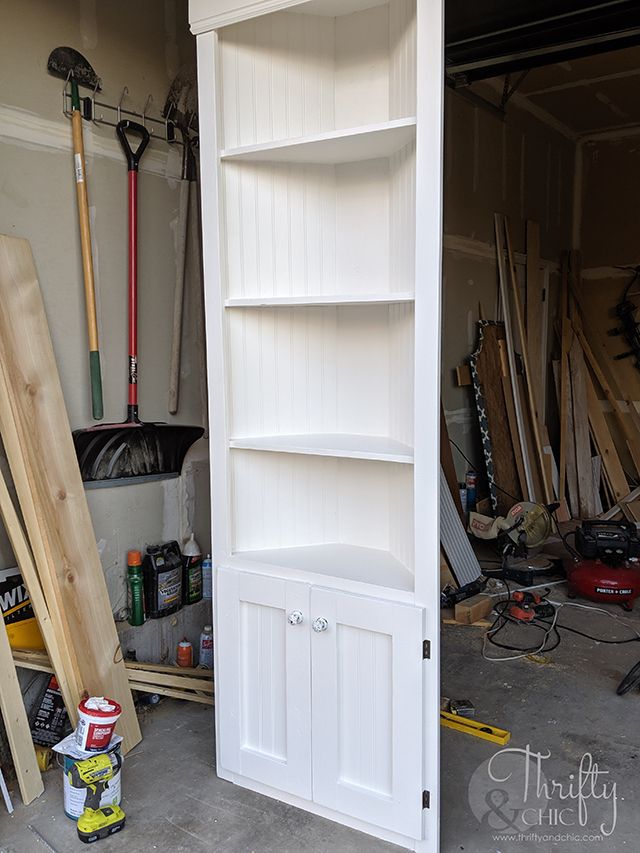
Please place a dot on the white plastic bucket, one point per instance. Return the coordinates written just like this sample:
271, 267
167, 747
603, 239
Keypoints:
95, 727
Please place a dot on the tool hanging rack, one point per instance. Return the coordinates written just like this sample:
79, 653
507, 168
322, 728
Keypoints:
102, 113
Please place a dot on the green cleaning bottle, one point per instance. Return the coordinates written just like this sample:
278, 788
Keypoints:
135, 588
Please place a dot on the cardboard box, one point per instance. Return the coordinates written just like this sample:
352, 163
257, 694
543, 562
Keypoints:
473, 609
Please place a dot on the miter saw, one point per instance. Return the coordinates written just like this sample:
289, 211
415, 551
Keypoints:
526, 526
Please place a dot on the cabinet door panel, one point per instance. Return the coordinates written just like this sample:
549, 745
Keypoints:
263, 686
367, 709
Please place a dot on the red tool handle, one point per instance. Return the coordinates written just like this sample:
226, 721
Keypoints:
133, 295
133, 160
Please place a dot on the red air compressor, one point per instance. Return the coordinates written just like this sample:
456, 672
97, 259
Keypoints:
609, 571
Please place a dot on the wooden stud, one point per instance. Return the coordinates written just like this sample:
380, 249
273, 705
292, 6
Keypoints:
172, 692
499, 222
512, 420
176, 679
463, 375
535, 316
577, 368
611, 513
632, 438
17, 725
193, 671
49, 486
48, 628
563, 374
605, 444
547, 490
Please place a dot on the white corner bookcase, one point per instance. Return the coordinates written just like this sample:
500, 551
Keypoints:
321, 127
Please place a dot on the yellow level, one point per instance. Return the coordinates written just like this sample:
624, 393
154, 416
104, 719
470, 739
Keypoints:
473, 727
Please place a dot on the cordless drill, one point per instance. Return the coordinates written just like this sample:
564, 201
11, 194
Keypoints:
94, 774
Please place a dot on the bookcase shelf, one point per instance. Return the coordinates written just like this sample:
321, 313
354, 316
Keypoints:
370, 142
356, 563
319, 300
374, 447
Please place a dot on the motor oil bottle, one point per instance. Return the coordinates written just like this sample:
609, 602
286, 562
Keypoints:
162, 569
135, 588
191, 572
205, 654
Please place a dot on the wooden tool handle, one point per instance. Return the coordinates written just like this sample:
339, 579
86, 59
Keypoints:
178, 297
87, 265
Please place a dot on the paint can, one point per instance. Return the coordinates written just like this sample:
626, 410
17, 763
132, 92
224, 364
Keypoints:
74, 798
97, 718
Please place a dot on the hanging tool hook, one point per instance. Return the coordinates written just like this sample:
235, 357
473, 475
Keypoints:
92, 99
65, 93
124, 94
147, 104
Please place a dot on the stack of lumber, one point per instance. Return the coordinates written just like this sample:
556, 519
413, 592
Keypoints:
56, 548
598, 451
509, 372
190, 683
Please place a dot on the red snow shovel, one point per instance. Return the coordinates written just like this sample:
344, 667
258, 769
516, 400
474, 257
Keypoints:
133, 448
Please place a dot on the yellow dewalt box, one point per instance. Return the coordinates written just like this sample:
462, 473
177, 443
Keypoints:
15, 606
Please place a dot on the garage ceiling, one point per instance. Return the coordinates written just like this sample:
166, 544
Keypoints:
589, 95
582, 60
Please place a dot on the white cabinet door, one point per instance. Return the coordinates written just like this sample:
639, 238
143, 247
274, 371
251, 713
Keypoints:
263, 689
367, 709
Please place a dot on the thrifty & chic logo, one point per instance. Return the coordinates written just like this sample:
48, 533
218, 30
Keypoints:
510, 793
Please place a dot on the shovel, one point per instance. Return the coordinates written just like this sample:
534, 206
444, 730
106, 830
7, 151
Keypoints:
67, 63
133, 448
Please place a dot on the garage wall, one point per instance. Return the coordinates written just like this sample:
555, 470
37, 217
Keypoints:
519, 166
141, 45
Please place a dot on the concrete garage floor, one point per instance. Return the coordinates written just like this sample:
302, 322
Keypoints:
175, 804
567, 705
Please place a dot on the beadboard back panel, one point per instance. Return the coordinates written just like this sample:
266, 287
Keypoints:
289, 74
310, 229
285, 500
323, 369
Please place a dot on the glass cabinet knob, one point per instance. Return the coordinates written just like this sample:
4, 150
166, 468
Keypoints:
295, 617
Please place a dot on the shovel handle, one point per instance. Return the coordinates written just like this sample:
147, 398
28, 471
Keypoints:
133, 157
87, 259
133, 160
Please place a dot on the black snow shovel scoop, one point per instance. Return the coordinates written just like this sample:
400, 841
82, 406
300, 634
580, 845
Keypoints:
133, 448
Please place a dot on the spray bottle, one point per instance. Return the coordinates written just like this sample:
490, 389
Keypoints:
191, 572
